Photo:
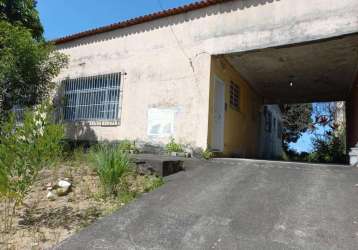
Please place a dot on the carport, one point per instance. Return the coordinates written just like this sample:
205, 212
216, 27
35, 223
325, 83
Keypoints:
319, 71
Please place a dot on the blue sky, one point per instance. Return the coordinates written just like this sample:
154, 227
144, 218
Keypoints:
304, 144
65, 17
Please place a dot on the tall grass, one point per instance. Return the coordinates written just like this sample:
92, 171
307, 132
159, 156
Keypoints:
111, 164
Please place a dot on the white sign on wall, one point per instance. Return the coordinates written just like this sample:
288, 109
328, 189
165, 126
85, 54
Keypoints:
161, 122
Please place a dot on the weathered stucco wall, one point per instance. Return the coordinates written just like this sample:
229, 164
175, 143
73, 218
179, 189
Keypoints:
241, 127
167, 61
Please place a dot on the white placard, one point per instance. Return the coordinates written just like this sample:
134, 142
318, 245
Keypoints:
161, 122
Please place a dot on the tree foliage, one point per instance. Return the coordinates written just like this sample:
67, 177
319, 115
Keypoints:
22, 13
329, 141
329, 148
27, 67
296, 119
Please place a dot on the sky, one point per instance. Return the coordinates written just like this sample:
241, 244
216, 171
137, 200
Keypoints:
65, 17
304, 143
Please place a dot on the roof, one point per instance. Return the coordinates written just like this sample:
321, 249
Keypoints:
138, 20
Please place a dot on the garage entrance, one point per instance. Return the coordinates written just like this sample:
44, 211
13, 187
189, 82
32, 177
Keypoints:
258, 82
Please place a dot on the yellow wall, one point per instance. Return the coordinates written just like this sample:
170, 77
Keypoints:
241, 133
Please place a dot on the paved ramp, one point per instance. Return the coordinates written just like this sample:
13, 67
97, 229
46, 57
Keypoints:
237, 204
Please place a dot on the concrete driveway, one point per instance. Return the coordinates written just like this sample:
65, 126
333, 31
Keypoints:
237, 204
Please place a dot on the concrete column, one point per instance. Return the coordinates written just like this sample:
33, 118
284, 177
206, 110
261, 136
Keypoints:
352, 123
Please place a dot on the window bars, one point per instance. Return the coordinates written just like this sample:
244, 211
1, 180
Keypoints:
19, 112
92, 98
234, 96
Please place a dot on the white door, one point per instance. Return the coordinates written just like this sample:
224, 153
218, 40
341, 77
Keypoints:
219, 115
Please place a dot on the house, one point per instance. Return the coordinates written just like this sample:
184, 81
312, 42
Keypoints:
210, 74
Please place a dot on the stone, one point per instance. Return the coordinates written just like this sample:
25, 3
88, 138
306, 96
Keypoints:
51, 196
62, 191
63, 187
64, 184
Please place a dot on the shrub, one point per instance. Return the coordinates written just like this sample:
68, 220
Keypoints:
152, 182
172, 146
127, 145
207, 154
24, 150
110, 163
329, 149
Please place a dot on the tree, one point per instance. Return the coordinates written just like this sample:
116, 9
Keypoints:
296, 119
22, 13
27, 68
329, 141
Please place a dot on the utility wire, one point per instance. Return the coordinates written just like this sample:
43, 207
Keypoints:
177, 39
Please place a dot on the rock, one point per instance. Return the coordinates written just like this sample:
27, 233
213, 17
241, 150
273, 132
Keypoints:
63, 187
64, 184
51, 196
48, 186
62, 191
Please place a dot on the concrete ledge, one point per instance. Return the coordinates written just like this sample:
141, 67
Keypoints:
160, 165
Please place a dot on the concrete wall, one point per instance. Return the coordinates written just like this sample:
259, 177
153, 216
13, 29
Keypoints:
167, 61
241, 127
352, 116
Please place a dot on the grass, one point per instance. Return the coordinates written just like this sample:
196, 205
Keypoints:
104, 179
110, 163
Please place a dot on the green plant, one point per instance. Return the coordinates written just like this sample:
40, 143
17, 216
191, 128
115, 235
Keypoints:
329, 149
110, 163
152, 182
127, 145
172, 146
27, 67
207, 154
24, 150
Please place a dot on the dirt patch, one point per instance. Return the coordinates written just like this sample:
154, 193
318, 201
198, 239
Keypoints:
41, 223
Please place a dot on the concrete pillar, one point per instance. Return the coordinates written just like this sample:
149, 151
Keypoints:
352, 123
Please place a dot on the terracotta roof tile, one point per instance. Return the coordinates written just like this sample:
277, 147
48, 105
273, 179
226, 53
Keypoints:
141, 19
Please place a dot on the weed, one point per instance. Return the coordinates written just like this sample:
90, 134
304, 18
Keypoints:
207, 154
128, 146
25, 149
172, 146
110, 164
152, 182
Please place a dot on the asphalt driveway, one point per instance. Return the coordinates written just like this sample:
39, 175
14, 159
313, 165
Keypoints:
237, 204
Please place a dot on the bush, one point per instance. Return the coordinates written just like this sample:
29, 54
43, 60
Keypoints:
110, 163
172, 146
24, 150
330, 149
207, 154
127, 146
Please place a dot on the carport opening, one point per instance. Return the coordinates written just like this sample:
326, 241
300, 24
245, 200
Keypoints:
250, 91
314, 132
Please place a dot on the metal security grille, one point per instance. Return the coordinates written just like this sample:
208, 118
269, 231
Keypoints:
93, 98
19, 113
234, 96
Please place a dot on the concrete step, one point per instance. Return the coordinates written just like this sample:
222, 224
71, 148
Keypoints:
160, 165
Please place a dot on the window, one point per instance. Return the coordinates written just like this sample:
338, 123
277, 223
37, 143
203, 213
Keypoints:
234, 96
19, 112
92, 98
